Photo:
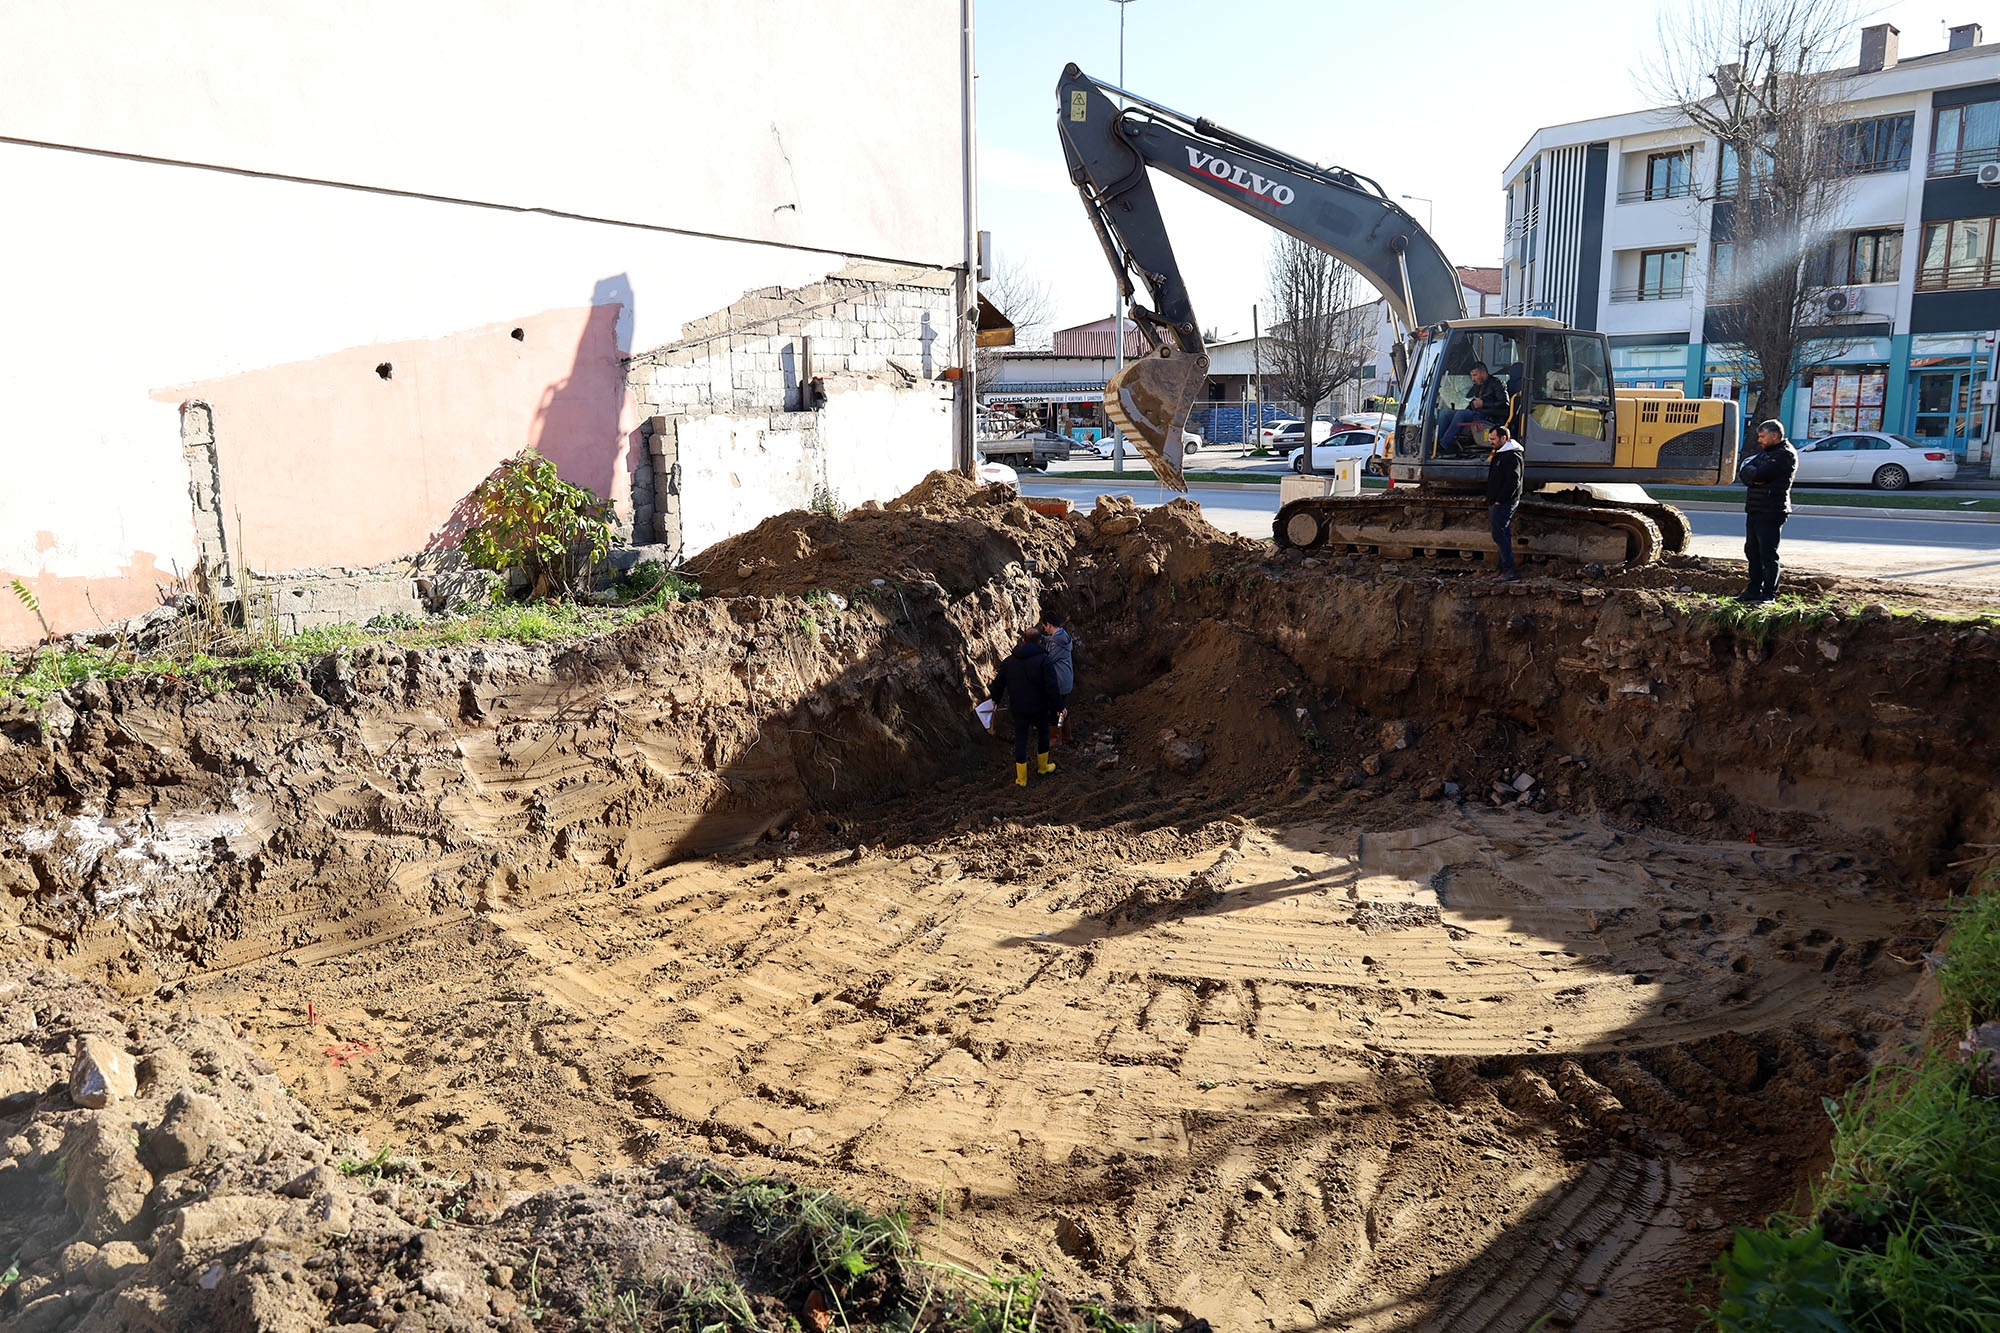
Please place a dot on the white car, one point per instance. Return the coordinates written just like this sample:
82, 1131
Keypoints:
989, 472
1873, 458
1361, 444
1191, 443
1274, 432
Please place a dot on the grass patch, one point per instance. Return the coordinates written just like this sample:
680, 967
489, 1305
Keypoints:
221, 657
1903, 1231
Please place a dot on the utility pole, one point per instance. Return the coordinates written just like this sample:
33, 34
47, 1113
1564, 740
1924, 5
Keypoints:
1257, 371
965, 451
1118, 312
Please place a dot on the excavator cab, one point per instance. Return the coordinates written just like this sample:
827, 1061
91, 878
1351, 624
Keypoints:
1558, 386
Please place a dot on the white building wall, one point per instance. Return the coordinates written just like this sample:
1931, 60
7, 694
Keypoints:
596, 174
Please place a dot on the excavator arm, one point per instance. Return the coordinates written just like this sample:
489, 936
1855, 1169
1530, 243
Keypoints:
1348, 216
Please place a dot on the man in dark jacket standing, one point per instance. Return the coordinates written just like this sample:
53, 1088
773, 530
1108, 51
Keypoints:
1026, 682
1504, 480
1767, 499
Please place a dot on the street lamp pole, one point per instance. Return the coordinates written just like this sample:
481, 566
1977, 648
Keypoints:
1429, 208
1118, 280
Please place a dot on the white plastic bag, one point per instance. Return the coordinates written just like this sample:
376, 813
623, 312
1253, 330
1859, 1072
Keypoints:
984, 712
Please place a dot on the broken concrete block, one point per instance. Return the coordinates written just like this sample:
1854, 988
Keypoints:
103, 1073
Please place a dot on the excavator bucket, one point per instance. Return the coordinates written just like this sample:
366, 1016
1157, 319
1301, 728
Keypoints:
1149, 401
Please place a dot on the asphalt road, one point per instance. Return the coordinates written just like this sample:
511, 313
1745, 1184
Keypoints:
1924, 551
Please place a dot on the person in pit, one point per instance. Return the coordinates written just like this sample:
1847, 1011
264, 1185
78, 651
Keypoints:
1061, 649
1026, 683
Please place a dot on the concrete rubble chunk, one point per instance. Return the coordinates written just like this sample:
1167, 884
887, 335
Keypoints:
193, 1124
113, 1263
103, 1181
1523, 781
103, 1073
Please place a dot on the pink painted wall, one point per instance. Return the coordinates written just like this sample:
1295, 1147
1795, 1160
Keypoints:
324, 462
72, 604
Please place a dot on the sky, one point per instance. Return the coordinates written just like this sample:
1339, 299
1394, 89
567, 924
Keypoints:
1431, 98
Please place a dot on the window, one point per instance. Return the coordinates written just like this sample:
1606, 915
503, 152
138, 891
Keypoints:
1727, 170
1669, 175
1882, 144
1721, 268
1965, 138
1958, 255
1662, 274
1874, 256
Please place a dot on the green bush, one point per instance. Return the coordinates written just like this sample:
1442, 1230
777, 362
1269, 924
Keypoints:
528, 518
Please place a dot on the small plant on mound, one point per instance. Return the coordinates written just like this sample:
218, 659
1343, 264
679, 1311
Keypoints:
827, 501
530, 519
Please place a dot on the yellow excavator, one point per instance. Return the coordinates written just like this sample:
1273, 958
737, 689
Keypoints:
1589, 447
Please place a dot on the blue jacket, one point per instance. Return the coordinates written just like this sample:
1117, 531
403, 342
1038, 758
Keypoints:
1059, 646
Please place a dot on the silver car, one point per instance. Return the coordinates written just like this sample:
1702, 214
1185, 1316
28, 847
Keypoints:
1873, 458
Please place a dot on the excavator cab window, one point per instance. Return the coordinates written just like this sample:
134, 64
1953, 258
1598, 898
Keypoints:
1499, 350
1570, 409
1413, 425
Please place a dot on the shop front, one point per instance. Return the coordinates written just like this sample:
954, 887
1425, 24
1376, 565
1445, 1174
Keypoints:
1072, 408
1847, 391
1946, 371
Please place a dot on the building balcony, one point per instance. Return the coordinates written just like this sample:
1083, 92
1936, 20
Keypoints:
1679, 190
1629, 295
1962, 162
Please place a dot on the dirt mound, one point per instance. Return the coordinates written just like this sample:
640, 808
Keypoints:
946, 532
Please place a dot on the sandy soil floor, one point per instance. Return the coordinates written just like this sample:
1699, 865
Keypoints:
1289, 1073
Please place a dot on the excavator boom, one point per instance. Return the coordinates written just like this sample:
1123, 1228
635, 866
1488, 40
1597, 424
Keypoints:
1109, 150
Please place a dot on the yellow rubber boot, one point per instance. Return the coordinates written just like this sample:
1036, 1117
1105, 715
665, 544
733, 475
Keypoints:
1042, 764
1020, 775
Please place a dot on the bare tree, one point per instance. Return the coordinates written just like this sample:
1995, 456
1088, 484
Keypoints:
1322, 335
1758, 76
1024, 299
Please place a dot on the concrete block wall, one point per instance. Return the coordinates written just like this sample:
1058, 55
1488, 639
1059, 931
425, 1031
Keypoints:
304, 599
883, 327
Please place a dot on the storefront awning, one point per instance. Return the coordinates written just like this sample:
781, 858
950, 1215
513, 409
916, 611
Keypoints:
1052, 391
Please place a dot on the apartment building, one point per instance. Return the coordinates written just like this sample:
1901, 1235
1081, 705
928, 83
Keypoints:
1622, 224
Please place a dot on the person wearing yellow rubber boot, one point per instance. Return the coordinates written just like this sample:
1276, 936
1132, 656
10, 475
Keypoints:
1026, 683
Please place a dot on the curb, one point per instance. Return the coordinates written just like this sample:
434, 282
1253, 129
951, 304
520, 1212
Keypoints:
1845, 511
1695, 506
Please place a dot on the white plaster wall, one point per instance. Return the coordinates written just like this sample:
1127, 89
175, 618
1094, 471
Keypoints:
224, 274
829, 123
875, 441
738, 471
880, 440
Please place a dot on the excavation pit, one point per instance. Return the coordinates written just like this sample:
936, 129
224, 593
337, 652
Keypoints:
1388, 950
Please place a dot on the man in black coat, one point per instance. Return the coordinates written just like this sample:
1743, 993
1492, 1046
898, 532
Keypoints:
1026, 682
1505, 470
1767, 499
1485, 403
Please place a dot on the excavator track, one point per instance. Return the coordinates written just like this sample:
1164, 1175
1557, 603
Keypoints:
1675, 531
1454, 527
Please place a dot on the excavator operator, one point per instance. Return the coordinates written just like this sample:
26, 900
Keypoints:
1486, 405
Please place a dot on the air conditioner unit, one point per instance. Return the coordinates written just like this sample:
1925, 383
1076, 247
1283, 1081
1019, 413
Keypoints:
1989, 174
1841, 301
